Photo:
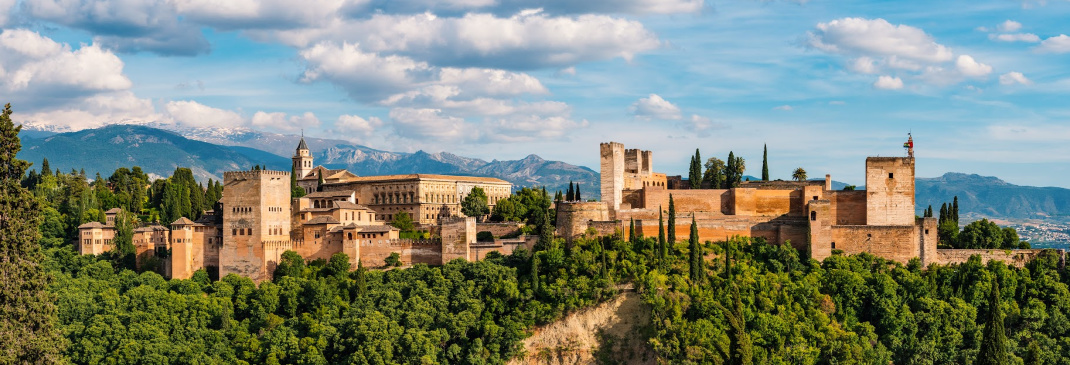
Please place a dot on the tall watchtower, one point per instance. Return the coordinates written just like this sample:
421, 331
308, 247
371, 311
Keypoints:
302, 160
890, 191
256, 221
612, 161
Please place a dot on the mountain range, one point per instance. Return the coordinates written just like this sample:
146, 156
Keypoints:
210, 152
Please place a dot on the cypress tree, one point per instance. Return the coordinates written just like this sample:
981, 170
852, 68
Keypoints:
695, 175
360, 280
943, 213
994, 340
578, 197
319, 183
661, 236
740, 351
695, 251
28, 333
535, 272
570, 194
730, 171
765, 163
295, 190
671, 234
955, 210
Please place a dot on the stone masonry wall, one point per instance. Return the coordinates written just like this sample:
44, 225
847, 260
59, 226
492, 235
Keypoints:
573, 217
1017, 258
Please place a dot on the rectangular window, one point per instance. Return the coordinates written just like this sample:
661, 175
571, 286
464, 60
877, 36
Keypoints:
890, 175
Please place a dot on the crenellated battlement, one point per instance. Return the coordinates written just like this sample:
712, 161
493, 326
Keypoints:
253, 174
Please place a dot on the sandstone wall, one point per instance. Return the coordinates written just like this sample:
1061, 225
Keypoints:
699, 200
891, 242
848, 207
499, 229
411, 252
612, 173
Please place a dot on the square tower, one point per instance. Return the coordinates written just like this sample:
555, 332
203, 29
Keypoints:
612, 174
890, 191
256, 222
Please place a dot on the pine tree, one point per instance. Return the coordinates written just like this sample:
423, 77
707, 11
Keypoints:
695, 251
28, 333
994, 340
45, 169
570, 195
765, 163
123, 253
671, 233
578, 197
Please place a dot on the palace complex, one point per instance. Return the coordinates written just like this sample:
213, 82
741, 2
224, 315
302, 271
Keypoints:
256, 221
809, 215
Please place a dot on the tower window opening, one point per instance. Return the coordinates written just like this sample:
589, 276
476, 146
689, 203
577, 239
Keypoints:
813, 216
891, 175
834, 245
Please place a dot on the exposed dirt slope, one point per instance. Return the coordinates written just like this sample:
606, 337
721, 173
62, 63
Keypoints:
611, 333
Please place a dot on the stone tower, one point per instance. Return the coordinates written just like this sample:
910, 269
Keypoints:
256, 222
612, 174
302, 160
890, 191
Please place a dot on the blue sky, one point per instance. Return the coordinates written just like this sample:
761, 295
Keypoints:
982, 85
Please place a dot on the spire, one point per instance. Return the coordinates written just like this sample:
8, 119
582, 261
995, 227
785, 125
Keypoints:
302, 145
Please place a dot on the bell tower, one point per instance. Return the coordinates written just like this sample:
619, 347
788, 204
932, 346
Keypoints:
302, 160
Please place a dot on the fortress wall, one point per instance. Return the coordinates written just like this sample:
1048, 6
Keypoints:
891, 242
698, 200
499, 229
606, 228
849, 207
320, 248
631, 199
457, 237
573, 217
776, 202
1016, 258
411, 252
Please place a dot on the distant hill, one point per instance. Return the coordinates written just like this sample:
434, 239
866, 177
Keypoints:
210, 152
987, 196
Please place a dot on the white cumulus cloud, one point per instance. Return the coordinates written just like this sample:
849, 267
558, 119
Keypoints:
888, 83
1056, 44
281, 122
970, 67
193, 114
1009, 26
352, 124
1014, 77
655, 107
877, 38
